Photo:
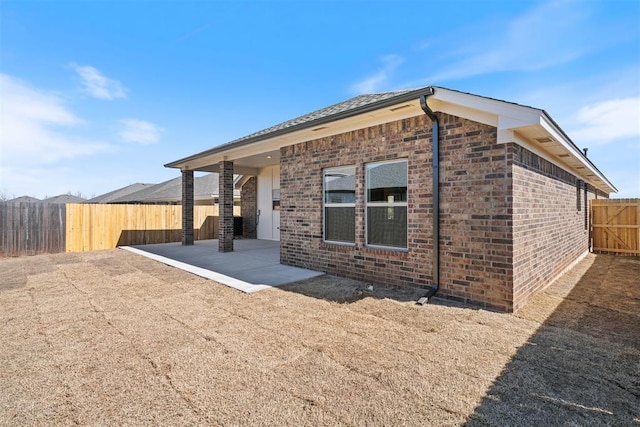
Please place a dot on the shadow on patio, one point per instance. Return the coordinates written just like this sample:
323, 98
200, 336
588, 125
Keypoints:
582, 366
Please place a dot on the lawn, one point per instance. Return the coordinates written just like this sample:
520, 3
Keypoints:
110, 337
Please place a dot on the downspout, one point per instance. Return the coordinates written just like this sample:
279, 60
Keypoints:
435, 162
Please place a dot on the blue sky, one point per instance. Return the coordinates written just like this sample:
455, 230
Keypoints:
98, 95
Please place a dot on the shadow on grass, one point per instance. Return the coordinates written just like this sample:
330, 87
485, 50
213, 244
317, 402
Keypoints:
345, 291
582, 366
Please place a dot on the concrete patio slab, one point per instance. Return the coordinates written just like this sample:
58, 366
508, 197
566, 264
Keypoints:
254, 264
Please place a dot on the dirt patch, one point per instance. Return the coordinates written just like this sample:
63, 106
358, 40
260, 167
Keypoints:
110, 337
342, 290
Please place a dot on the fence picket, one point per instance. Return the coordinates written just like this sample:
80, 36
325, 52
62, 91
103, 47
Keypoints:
615, 226
29, 228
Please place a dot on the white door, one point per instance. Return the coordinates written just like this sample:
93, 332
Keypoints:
269, 213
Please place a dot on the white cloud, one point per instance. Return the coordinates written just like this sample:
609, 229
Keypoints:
34, 127
374, 82
523, 44
139, 131
607, 121
97, 85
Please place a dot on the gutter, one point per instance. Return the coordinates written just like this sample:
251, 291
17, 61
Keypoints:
435, 161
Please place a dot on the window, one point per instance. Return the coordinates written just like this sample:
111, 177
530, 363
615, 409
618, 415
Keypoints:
386, 185
578, 189
340, 204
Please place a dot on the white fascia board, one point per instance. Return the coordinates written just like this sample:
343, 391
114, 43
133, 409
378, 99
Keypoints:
488, 106
509, 118
464, 111
560, 138
508, 132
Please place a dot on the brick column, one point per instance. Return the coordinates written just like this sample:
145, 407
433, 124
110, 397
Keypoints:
187, 207
225, 233
249, 208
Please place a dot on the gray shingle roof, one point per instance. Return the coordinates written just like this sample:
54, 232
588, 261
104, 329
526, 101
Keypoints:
167, 190
341, 107
120, 192
65, 198
25, 199
204, 187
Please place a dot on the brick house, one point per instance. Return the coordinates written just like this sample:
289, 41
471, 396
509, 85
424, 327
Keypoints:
354, 190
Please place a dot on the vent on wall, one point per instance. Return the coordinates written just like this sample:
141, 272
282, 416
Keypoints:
401, 107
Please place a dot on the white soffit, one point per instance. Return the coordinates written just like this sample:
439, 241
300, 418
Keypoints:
526, 126
373, 118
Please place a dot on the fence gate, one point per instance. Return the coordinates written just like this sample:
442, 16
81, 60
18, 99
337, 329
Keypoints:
615, 226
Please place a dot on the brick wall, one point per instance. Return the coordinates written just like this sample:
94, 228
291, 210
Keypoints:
187, 207
225, 206
549, 230
476, 242
249, 208
476, 239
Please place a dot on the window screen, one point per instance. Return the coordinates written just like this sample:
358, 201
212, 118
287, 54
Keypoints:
339, 204
386, 185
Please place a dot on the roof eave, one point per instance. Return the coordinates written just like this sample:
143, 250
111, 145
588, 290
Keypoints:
408, 96
564, 139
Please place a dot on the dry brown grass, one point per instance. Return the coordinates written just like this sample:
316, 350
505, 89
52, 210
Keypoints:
114, 338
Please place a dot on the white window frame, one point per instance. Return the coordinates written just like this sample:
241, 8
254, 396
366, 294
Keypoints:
387, 204
336, 205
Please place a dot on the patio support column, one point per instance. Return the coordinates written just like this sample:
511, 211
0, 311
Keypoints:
187, 207
225, 230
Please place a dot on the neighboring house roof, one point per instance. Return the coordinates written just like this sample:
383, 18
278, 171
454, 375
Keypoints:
65, 198
165, 191
120, 192
204, 188
208, 186
530, 127
384, 175
25, 199
388, 175
345, 183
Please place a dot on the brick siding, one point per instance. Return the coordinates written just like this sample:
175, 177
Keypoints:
509, 223
475, 212
225, 230
249, 208
475, 223
549, 231
187, 207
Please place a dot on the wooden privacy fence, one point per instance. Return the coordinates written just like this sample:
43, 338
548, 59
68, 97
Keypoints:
92, 227
31, 228
615, 226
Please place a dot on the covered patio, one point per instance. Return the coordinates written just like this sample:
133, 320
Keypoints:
254, 264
